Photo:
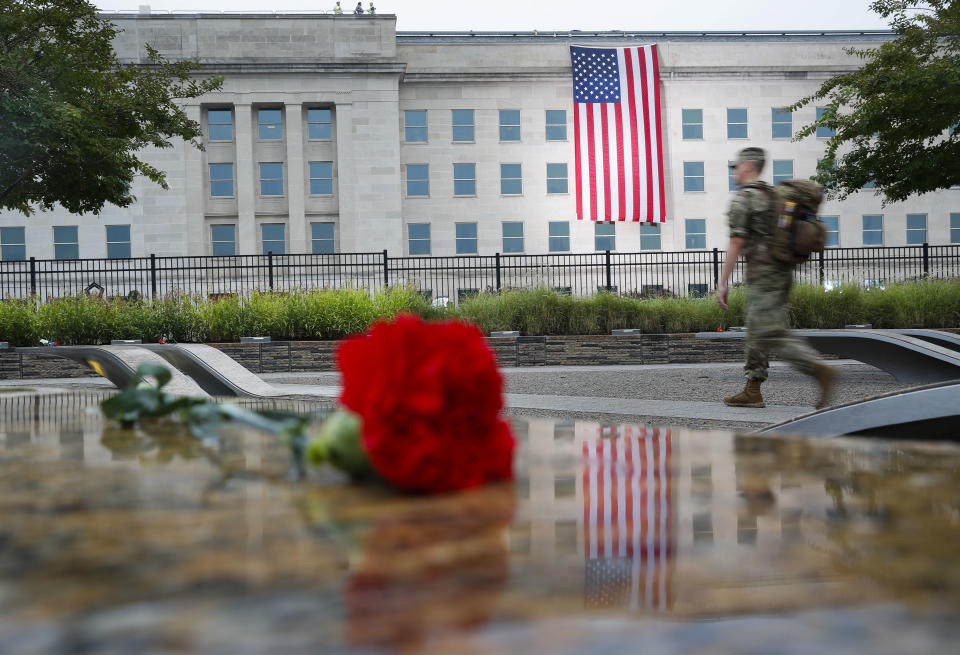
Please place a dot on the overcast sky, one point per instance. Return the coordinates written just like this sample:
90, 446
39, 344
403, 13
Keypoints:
568, 15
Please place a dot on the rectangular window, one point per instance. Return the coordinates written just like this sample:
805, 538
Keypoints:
556, 125
696, 233
223, 240
822, 131
321, 238
509, 124
873, 230
321, 178
693, 176
870, 185
319, 124
221, 180
916, 229
954, 228
13, 246
556, 178
511, 181
737, 123
118, 241
731, 176
466, 238
559, 236
464, 179
418, 238
65, 244
271, 179
782, 123
463, 125
604, 236
512, 237
273, 238
220, 125
415, 126
270, 124
782, 170
692, 123
832, 224
418, 180
649, 236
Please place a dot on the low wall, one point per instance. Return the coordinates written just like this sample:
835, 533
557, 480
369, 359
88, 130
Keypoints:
284, 356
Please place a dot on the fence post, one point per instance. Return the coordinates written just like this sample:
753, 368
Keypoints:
609, 273
270, 268
386, 270
33, 276
716, 268
153, 276
820, 264
498, 272
926, 260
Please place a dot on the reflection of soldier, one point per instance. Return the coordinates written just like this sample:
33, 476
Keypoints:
768, 287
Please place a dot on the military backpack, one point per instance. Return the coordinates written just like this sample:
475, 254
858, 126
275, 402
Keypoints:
796, 232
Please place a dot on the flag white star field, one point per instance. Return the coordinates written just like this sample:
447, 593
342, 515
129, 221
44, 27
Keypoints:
618, 150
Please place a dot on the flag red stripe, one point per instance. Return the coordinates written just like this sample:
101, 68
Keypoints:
577, 166
669, 511
587, 532
592, 162
646, 131
657, 558
634, 137
605, 151
621, 171
629, 504
656, 111
613, 526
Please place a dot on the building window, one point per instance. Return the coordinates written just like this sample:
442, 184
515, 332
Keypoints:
649, 236
319, 124
692, 123
463, 125
737, 123
556, 178
415, 126
824, 132
418, 180
558, 233
221, 180
118, 241
65, 245
782, 123
954, 228
693, 176
321, 238
321, 178
220, 125
418, 238
271, 179
466, 238
916, 229
223, 240
556, 125
509, 124
273, 238
13, 246
269, 122
731, 176
511, 182
832, 223
870, 185
873, 230
696, 233
464, 179
512, 237
782, 170
604, 236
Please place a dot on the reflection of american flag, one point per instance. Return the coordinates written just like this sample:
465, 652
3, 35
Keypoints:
628, 526
618, 150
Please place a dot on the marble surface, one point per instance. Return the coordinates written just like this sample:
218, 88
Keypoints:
612, 539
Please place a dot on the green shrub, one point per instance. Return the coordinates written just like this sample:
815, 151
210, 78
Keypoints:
18, 323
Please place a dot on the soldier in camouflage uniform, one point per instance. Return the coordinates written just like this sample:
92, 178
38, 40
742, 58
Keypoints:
768, 287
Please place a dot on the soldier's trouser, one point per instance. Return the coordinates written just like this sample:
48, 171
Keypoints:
768, 330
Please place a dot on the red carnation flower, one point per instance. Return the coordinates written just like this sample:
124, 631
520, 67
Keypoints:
429, 397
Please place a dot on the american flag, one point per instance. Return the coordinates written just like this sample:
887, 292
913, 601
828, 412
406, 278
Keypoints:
628, 518
616, 124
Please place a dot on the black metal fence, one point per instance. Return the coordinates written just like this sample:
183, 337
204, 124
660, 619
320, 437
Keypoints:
683, 273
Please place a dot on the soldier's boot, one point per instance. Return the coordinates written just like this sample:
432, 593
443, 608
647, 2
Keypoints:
825, 377
749, 397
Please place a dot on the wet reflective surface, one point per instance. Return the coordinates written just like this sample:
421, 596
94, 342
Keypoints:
612, 539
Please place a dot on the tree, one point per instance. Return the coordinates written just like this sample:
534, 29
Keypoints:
895, 118
74, 119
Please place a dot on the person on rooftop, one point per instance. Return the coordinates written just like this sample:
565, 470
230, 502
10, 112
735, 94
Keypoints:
359, 9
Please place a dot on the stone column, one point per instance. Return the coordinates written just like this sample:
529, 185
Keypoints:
196, 189
296, 174
346, 180
246, 179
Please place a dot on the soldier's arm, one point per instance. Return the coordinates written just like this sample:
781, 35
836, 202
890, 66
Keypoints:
737, 244
739, 217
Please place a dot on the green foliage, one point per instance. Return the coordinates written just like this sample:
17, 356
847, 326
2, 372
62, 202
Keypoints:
74, 118
18, 324
75, 320
896, 117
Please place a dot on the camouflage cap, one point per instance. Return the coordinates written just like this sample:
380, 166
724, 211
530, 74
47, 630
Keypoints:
756, 155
